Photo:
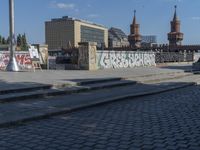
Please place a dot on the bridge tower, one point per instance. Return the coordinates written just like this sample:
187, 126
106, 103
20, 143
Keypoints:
134, 38
175, 36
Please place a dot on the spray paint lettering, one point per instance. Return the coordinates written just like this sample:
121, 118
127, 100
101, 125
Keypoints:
23, 59
125, 59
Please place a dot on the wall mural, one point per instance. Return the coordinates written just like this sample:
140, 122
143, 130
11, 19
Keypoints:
124, 59
23, 59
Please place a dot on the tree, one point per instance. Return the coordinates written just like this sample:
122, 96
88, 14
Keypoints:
19, 38
22, 42
3, 41
0, 39
8, 40
24, 45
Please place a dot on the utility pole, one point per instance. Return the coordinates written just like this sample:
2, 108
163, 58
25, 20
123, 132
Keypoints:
12, 65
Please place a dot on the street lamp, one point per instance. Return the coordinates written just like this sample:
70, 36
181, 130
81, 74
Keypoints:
12, 64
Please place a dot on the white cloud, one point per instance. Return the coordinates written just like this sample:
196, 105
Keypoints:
59, 5
89, 5
196, 18
65, 6
93, 16
173, 1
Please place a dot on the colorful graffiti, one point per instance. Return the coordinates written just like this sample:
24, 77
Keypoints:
125, 59
23, 59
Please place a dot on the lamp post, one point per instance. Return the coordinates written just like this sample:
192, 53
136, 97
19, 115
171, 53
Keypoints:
12, 64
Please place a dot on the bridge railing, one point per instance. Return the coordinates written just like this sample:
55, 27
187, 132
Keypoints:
167, 57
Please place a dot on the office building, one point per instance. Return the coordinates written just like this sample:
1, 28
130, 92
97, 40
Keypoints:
61, 31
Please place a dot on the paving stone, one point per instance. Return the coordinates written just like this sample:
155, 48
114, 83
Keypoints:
165, 121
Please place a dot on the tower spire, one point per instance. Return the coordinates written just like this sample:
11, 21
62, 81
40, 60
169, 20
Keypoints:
134, 19
175, 36
134, 38
175, 13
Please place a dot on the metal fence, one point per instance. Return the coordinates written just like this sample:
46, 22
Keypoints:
166, 57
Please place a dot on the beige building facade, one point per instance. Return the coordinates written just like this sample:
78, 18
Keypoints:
62, 31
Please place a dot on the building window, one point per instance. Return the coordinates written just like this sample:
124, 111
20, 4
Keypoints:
89, 34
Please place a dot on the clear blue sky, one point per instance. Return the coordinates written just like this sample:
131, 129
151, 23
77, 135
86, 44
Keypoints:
153, 15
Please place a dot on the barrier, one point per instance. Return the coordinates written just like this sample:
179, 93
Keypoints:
124, 59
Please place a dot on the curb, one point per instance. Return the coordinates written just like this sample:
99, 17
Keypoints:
95, 104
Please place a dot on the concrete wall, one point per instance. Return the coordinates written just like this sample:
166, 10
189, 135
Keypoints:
87, 59
124, 59
196, 56
23, 59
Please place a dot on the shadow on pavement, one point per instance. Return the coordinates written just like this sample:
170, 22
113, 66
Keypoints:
185, 68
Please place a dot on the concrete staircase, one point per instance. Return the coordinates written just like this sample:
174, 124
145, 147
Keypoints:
46, 91
29, 103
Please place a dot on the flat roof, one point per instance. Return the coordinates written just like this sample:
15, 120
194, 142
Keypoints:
75, 19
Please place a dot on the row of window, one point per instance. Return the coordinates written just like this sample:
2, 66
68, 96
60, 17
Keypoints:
89, 34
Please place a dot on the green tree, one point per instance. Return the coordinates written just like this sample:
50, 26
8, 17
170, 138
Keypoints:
8, 40
24, 45
0, 39
19, 39
3, 41
22, 42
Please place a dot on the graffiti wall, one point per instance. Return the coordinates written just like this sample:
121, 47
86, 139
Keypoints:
124, 59
23, 59
165, 57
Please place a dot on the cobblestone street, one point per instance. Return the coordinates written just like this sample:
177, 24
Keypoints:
167, 121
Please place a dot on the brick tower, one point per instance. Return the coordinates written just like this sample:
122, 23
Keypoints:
134, 38
175, 36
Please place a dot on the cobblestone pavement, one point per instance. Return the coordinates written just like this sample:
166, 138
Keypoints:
169, 121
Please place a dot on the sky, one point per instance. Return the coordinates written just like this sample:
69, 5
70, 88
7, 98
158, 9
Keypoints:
154, 16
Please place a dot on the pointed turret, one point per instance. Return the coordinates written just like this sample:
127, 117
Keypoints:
175, 14
134, 38
134, 18
175, 36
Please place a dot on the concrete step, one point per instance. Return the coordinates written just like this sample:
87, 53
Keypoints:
162, 78
26, 87
23, 111
95, 81
88, 85
45, 93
